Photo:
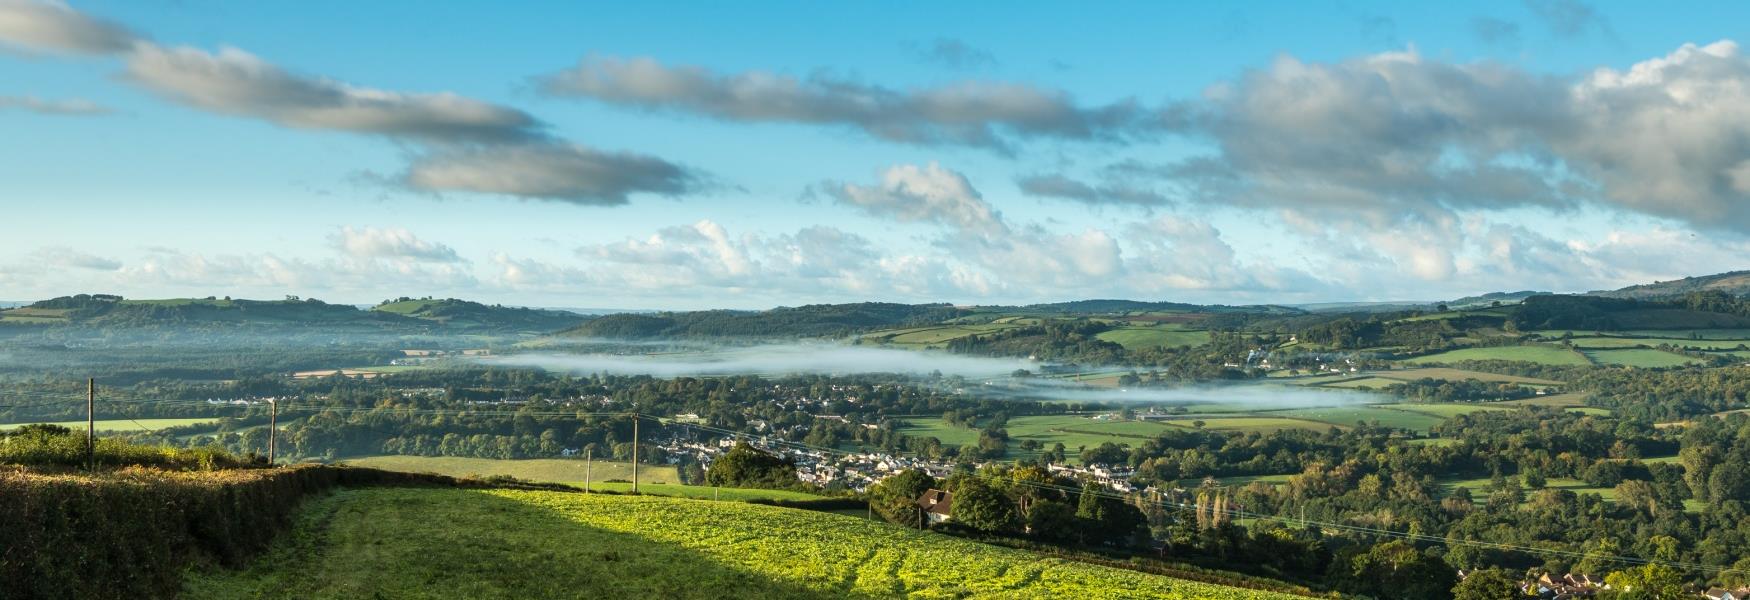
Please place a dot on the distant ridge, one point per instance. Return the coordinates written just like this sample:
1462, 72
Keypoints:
1736, 283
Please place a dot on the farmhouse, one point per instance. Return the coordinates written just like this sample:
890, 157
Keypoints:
937, 505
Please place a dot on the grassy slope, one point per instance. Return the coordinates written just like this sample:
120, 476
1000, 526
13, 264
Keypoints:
121, 424
1133, 338
1638, 357
442, 543
1549, 355
552, 470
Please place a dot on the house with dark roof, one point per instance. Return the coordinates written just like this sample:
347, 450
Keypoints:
937, 505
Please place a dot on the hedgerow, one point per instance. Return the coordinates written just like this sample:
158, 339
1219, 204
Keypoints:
130, 533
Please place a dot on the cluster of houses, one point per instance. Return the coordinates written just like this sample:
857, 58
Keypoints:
854, 471
1573, 586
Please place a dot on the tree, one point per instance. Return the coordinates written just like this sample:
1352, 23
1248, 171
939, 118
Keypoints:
1396, 570
1650, 582
1107, 520
979, 506
1488, 584
745, 466
895, 498
1053, 521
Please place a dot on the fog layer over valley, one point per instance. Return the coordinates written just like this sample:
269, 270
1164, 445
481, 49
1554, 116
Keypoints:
982, 377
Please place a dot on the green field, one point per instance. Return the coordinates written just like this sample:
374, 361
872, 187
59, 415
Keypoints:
446, 543
1450, 374
699, 492
1348, 416
1377, 383
1569, 399
1133, 338
936, 334
1443, 410
549, 470
1541, 354
1078, 431
121, 424
1638, 357
1260, 424
1477, 486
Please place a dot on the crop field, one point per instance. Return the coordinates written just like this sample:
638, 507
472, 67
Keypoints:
126, 425
1132, 338
1638, 357
1541, 354
550, 470
431, 543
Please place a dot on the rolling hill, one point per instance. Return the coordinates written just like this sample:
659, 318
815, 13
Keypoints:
432, 543
1736, 283
405, 315
817, 320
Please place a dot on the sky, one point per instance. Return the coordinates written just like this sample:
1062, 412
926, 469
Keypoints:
759, 154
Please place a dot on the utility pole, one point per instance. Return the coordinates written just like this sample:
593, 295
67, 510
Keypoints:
91, 424
273, 422
634, 453
588, 451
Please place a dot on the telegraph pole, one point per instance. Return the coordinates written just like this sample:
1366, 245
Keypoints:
634, 452
588, 452
273, 420
91, 423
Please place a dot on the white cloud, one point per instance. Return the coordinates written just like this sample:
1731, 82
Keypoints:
551, 171
972, 113
236, 82
1397, 133
392, 244
60, 257
73, 107
926, 194
49, 26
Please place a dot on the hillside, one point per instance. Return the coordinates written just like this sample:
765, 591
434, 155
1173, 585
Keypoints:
817, 320
1736, 283
464, 313
418, 543
405, 315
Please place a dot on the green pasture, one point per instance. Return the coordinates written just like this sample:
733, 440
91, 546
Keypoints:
1638, 357
547, 470
121, 425
1541, 354
1134, 338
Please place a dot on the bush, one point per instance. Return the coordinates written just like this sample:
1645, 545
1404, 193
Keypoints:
130, 533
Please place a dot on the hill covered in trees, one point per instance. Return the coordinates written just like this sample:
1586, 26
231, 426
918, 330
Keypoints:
816, 320
405, 314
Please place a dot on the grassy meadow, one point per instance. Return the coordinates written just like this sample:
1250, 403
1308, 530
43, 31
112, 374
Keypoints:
120, 425
547, 470
445, 543
1541, 354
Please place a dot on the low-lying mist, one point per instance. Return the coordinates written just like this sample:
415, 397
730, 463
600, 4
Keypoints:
767, 359
981, 377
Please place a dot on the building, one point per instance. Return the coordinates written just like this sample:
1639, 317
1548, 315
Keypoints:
937, 506
1725, 594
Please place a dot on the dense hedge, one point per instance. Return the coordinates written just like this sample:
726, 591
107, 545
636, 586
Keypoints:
131, 533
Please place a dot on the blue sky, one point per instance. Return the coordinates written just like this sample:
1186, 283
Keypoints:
752, 155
